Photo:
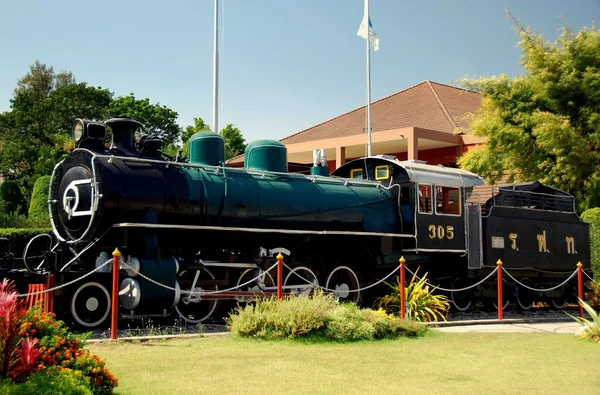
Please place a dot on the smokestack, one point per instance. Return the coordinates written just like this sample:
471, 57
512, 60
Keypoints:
123, 134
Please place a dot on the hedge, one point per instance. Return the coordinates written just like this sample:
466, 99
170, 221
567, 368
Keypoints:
38, 206
593, 217
20, 237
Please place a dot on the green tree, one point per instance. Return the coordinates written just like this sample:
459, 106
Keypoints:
543, 125
157, 120
198, 126
34, 134
235, 143
190, 130
11, 198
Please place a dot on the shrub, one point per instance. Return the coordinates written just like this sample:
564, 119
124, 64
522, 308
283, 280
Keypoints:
289, 318
388, 326
590, 329
592, 296
62, 348
38, 206
346, 323
11, 198
423, 304
593, 217
49, 382
318, 317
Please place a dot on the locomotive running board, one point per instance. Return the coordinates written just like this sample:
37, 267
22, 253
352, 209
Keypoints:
259, 230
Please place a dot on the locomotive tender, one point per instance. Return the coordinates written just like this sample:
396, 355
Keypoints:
196, 225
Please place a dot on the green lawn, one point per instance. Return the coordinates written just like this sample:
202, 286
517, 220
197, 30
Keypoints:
460, 363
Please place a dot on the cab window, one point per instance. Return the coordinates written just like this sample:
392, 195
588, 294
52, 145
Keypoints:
356, 174
382, 172
425, 199
447, 200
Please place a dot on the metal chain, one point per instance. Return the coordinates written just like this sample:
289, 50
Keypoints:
590, 277
197, 292
541, 290
65, 284
459, 289
350, 291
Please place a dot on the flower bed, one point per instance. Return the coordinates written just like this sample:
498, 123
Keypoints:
38, 354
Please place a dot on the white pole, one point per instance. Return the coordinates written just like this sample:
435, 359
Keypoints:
216, 71
368, 79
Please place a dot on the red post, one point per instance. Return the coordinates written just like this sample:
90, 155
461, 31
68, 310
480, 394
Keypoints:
49, 299
580, 287
115, 294
402, 293
500, 304
279, 275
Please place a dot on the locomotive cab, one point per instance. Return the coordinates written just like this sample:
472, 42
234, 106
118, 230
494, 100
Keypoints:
430, 199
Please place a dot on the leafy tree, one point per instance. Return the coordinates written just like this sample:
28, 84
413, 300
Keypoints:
190, 130
11, 198
157, 120
34, 134
235, 143
543, 125
199, 126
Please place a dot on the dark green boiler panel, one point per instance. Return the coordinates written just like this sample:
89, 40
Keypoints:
256, 199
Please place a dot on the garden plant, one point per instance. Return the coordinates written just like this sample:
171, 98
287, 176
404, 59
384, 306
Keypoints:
423, 304
38, 354
319, 317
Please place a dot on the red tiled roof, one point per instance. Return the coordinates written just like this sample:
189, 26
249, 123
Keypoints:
428, 105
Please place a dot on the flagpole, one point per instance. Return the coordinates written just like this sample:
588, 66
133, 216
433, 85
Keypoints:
216, 71
368, 40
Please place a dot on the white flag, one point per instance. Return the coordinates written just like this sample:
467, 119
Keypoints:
365, 27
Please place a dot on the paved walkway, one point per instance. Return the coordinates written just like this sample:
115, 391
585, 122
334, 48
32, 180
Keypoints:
556, 327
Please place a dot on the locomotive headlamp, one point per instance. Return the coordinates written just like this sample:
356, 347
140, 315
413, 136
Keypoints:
83, 129
77, 131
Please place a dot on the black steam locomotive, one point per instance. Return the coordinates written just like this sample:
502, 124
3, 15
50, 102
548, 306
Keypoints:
193, 224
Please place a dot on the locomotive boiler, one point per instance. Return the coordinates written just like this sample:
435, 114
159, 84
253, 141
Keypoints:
191, 225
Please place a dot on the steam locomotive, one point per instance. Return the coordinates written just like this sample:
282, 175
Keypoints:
193, 224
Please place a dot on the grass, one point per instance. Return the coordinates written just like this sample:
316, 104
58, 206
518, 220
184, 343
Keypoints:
460, 363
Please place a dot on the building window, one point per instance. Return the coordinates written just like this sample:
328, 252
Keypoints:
382, 172
425, 198
356, 173
447, 200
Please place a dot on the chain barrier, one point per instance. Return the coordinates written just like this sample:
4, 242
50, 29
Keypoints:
590, 277
349, 291
199, 293
537, 289
65, 284
458, 289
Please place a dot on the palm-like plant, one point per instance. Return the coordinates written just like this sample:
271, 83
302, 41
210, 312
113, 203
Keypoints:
423, 304
590, 329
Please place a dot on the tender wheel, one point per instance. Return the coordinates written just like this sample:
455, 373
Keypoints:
191, 307
342, 280
525, 297
558, 303
505, 304
90, 304
301, 280
460, 300
264, 282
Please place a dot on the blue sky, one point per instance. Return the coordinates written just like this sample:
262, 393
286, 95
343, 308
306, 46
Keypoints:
286, 65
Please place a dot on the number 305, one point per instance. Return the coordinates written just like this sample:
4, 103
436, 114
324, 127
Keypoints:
440, 232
